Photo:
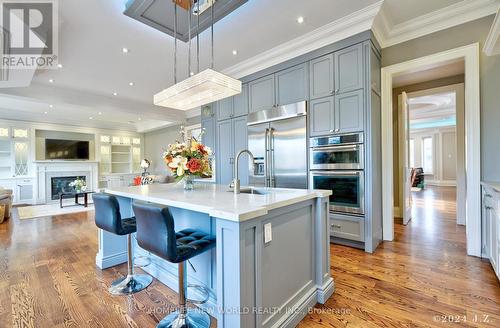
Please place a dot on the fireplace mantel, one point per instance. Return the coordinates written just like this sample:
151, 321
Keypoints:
45, 170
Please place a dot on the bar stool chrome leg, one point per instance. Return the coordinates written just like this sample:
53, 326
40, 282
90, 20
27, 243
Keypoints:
185, 317
132, 283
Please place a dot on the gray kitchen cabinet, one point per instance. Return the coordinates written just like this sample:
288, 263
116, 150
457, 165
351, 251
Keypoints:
349, 109
490, 233
291, 85
225, 108
261, 94
240, 134
233, 106
208, 111
232, 136
209, 126
321, 116
349, 69
347, 227
224, 152
321, 77
240, 102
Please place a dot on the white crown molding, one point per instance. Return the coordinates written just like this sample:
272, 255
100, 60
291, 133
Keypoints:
492, 44
453, 15
357, 22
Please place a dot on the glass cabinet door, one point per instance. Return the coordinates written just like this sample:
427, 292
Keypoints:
21, 155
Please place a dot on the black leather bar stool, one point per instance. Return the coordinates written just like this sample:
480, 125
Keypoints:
156, 234
107, 217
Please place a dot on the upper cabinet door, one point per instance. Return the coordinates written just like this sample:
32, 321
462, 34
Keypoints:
240, 131
225, 108
208, 111
224, 152
261, 94
291, 85
208, 137
349, 112
240, 103
321, 116
321, 79
349, 69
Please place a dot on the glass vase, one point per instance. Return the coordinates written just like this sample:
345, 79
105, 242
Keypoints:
188, 182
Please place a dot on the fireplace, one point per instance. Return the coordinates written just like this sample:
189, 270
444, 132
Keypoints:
60, 184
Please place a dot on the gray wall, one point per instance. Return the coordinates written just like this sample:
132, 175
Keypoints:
156, 141
454, 37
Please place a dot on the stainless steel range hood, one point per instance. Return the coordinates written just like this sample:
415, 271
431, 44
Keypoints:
159, 14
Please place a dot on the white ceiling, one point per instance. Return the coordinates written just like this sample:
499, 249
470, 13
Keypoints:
93, 32
430, 108
400, 11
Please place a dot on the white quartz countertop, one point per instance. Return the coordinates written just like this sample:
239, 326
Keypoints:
216, 201
492, 184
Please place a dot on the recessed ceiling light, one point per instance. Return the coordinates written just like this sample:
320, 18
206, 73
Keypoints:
51, 106
125, 50
300, 19
60, 65
100, 113
140, 119
45, 113
115, 93
131, 84
91, 118
51, 80
192, 73
235, 52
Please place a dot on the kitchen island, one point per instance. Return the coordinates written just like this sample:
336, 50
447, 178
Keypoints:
271, 262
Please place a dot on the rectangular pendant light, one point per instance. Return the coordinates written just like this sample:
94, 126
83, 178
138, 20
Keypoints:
203, 88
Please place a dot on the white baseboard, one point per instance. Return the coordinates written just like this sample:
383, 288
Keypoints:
442, 183
397, 212
110, 261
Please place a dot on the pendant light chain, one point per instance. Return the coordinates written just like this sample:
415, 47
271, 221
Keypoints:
198, 36
212, 32
189, 37
175, 43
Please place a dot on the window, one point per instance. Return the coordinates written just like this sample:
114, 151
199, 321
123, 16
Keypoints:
428, 155
412, 153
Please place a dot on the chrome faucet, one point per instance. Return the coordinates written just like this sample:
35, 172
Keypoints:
236, 181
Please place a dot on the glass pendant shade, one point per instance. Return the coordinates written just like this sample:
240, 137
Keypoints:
198, 90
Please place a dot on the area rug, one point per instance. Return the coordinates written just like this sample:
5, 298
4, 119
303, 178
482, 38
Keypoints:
38, 211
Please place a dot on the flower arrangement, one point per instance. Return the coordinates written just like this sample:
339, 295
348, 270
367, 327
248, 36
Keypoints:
188, 159
79, 185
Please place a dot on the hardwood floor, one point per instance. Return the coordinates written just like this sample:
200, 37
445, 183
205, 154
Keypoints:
48, 278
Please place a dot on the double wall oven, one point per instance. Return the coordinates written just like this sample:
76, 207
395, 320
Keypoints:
337, 164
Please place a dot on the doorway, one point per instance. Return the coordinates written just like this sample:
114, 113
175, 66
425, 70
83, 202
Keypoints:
432, 151
470, 56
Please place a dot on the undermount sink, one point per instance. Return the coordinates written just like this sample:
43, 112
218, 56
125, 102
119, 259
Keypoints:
252, 191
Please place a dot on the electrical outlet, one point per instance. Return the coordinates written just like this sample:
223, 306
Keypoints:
268, 233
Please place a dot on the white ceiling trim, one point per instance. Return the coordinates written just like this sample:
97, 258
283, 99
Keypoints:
492, 44
354, 23
462, 12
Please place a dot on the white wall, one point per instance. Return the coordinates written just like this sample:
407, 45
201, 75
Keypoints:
444, 157
155, 142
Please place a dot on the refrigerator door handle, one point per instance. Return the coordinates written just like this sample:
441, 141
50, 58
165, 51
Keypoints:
266, 157
271, 164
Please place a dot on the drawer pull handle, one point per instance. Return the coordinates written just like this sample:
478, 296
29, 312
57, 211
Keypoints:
336, 226
489, 207
487, 196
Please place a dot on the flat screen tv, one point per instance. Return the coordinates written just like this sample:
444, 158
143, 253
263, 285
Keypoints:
66, 149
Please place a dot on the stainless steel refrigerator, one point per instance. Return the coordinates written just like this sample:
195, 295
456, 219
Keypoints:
278, 140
